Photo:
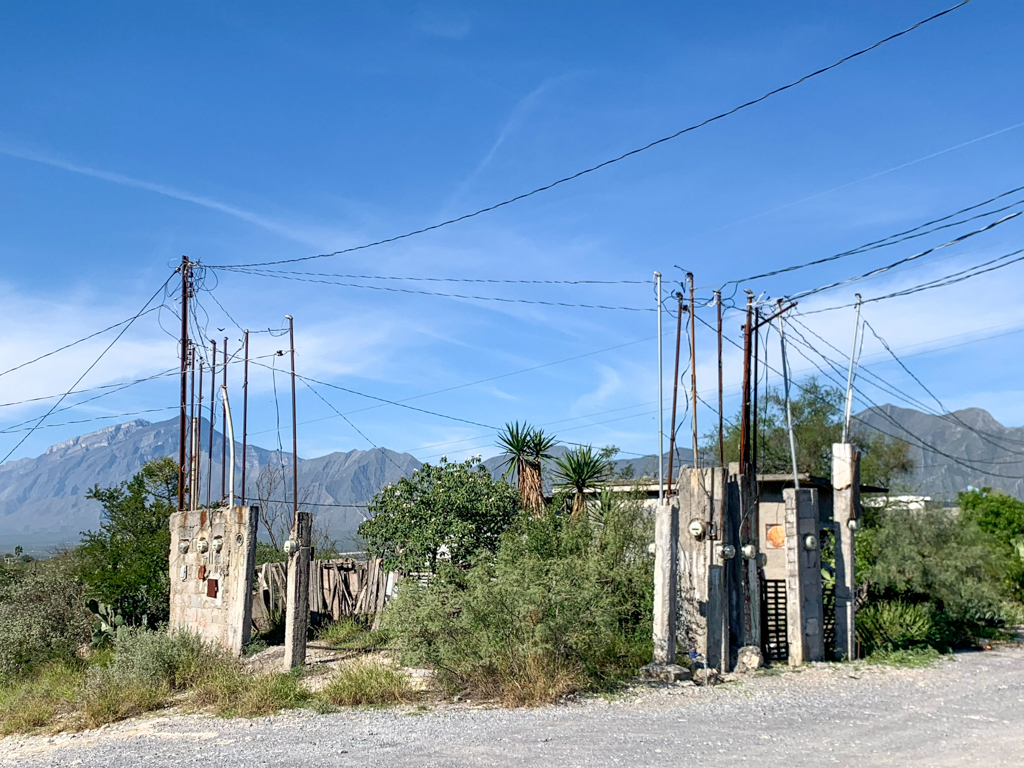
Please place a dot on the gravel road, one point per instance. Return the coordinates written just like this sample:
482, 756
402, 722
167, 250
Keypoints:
965, 711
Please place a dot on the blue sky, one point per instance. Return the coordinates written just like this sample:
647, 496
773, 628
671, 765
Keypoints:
134, 133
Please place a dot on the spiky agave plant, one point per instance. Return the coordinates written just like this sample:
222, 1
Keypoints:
526, 447
581, 468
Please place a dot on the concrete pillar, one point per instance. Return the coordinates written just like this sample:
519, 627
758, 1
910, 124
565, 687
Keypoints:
242, 532
666, 536
747, 572
296, 622
704, 554
804, 610
846, 507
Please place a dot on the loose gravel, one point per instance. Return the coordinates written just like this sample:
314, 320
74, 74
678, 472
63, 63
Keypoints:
964, 711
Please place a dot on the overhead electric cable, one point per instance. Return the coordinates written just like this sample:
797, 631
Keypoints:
449, 279
625, 155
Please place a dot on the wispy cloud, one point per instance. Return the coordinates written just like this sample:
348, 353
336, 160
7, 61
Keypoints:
286, 231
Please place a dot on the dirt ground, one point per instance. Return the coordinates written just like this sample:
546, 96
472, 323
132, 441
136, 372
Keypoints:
967, 710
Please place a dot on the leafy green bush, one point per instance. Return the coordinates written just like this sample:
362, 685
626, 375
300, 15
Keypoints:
564, 605
42, 615
351, 633
174, 661
893, 625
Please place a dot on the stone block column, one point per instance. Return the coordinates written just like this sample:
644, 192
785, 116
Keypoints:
296, 622
804, 609
846, 508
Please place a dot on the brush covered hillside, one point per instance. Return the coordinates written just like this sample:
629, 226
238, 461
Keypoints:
43, 503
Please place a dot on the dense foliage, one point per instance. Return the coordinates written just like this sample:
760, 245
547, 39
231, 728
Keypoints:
124, 563
442, 512
565, 604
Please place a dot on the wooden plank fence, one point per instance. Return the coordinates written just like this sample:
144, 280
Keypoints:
337, 589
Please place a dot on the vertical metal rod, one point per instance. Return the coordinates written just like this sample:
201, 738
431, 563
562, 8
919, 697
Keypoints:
213, 397
295, 429
185, 287
231, 434
745, 411
675, 392
661, 400
197, 481
693, 370
849, 376
245, 409
224, 430
191, 416
721, 411
754, 377
785, 384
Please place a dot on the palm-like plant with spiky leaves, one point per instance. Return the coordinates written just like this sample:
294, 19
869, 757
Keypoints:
526, 447
581, 468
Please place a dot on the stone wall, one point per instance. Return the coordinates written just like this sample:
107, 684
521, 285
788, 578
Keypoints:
212, 560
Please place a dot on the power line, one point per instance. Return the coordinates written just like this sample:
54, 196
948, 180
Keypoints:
13, 430
625, 155
451, 279
87, 370
283, 276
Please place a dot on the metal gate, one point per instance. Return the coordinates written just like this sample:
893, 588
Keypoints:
828, 599
773, 620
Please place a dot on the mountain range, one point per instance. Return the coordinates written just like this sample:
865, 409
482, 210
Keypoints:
43, 503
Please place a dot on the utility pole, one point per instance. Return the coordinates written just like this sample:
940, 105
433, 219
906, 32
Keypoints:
849, 377
191, 417
693, 368
213, 415
785, 383
245, 407
675, 392
295, 428
661, 400
186, 286
756, 331
721, 413
224, 430
197, 428
745, 412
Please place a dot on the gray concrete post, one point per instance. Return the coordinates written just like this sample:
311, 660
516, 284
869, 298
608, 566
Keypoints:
846, 508
296, 622
804, 609
666, 536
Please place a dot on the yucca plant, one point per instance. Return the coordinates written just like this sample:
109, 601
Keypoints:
526, 447
581, 468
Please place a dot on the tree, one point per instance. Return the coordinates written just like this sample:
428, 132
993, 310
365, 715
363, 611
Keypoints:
527, 447
817, 424
452, 510
1002, 518
581, 468
124, 563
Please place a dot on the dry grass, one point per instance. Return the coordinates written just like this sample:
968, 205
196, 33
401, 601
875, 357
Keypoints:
368, 683
534, 682
352, 634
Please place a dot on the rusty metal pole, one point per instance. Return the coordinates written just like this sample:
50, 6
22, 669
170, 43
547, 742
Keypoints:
295, 429
191, 413
754, 382
721, 412
245, 409
185, 287
693, 369
224, 430
675, 393
213, 415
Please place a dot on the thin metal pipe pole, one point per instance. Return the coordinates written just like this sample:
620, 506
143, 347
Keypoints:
745, 413
213, 415
754, 374
675, 392
245, 409
693, 370
197, 481
231, 435
661, 400
182, 429
721, 412
295, 428
849, 376
789, 410
224, 430
191, 415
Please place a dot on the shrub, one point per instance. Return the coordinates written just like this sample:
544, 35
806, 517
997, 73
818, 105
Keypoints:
230, 691
369, 684
42, 616
565, 605
174, 661
893, 625
39, 697
351, 633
